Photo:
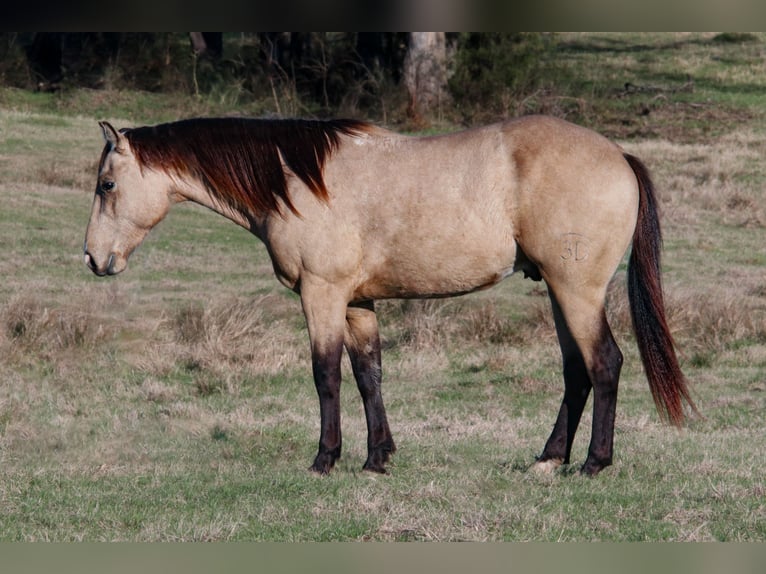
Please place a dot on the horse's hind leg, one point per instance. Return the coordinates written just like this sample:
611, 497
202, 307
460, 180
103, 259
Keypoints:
363, 345
577, 387
591, 359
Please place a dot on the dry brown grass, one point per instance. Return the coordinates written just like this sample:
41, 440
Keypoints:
719, 178
235, 332
220, 345
67, 174
703, 323
713, 322
486, 322
34, 328
420, 325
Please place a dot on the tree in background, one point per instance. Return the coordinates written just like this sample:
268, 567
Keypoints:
207, 43
425, 74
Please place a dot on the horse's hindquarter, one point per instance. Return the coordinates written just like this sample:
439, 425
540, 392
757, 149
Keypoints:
576, 200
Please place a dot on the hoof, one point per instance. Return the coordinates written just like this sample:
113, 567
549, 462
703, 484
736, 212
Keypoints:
376, 468
546, 466
379, 456
324, 462
591, 469
319, 470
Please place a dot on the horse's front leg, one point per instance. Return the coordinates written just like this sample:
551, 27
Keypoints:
325, 311
363, 345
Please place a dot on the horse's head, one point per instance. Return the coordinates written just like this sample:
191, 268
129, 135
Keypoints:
129, 201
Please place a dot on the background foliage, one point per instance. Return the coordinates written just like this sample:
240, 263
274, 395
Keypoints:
317, 73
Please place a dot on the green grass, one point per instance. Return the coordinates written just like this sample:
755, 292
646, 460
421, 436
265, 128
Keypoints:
682, 86
136, 408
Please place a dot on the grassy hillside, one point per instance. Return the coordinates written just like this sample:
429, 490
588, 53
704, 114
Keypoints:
175, 401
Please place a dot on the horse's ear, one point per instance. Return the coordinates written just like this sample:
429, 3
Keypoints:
114, 138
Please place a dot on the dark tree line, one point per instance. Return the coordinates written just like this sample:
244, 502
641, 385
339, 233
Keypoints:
80, 58
330, 71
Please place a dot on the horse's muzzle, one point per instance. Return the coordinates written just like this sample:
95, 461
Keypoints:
99, 270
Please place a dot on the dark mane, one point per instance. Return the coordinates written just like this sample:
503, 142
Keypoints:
239, 160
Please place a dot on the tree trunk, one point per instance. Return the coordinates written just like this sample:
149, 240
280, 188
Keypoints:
425, 72
207, 43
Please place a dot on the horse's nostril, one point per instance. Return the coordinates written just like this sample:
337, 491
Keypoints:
90, 262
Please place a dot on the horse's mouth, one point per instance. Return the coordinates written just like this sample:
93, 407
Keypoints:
108, 269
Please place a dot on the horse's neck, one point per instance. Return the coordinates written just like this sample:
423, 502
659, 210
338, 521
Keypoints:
197, 193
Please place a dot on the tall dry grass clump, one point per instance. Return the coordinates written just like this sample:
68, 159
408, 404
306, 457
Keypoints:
234, 334
702, 323
424, 324
720, 178
417, 324
485, 322
715, 322
31, 327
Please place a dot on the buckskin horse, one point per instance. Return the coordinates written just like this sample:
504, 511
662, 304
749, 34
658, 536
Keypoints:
351, 213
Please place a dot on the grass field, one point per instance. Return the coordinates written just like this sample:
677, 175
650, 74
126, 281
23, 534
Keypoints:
175, 401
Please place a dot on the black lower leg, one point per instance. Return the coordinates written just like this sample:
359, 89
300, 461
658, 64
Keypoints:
367, 372
327, 378
605, 374
362, 341
576, 390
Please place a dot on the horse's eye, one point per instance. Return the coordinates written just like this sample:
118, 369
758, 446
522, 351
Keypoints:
107, 186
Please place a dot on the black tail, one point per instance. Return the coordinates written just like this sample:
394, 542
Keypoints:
647, 307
